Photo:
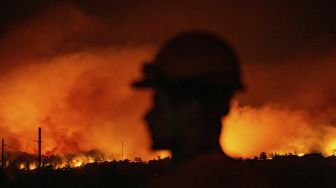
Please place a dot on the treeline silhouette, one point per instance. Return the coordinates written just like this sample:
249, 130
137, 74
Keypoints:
311, 170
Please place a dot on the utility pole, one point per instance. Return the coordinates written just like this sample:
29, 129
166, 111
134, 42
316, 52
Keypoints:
3, 153
122, 151
39, 147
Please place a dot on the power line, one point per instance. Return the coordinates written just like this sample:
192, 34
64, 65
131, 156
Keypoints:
39, 148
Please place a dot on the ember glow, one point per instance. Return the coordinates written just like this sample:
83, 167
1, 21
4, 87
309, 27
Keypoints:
61, 74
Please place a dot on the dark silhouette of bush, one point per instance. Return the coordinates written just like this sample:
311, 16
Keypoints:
263, 156
312, 170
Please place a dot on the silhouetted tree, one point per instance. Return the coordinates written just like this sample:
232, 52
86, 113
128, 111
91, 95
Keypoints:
263, 156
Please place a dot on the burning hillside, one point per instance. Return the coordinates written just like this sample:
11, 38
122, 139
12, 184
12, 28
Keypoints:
26, 161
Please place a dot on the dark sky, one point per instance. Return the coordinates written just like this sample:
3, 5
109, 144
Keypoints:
260, 29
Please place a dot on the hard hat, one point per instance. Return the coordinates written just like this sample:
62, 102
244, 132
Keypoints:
193, 57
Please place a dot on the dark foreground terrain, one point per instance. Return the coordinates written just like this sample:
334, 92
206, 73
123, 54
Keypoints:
311, 170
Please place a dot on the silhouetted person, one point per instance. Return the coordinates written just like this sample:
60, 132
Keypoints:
194, 77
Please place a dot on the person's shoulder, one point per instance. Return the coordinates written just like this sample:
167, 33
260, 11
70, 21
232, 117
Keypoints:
212, 170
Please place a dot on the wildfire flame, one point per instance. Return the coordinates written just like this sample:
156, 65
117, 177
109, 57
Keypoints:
249, 131
28, 161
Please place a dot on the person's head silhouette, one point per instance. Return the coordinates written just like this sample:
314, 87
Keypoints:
193, 76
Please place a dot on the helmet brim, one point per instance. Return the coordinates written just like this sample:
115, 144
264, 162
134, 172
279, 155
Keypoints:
153, 77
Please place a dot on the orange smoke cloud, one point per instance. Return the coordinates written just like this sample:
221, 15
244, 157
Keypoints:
81, 101
77, 91
289, 108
